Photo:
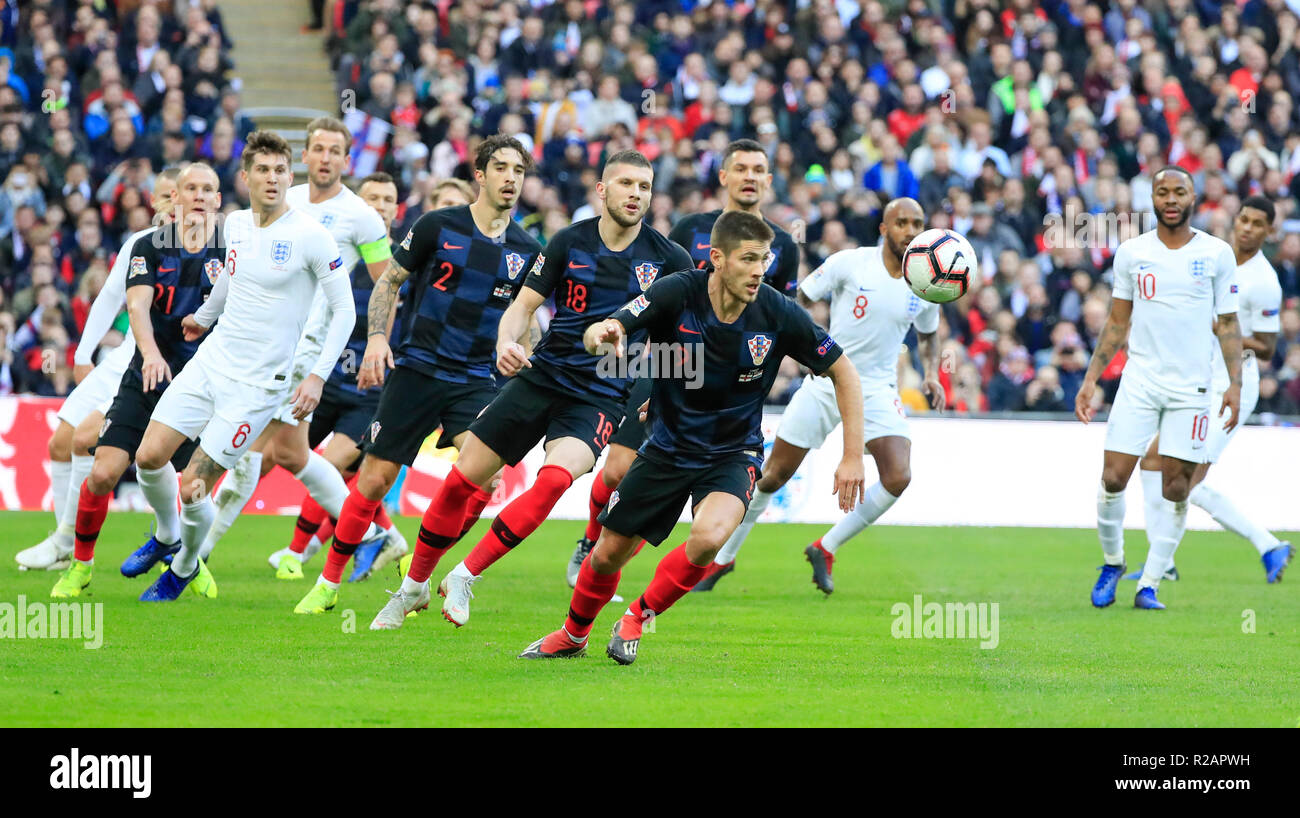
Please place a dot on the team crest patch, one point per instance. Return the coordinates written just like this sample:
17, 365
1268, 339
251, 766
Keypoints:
613, 501
514, 265
646, 272
1200, 270
826, 347
636, 305
104, 429
137, 267
406, 242
759, 346
537, 265
327, 219
769, 261
280, 250
213, 269
374, 431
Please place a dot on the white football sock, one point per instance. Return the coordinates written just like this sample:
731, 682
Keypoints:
81, 466
196, 519
60, 477
239, 485
410, 586
727, 554
1166, 532
1226, 514
1152, 495
863, 514
161, 489
1110, 525
324, 483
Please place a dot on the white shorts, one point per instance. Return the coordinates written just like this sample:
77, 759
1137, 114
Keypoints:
813, 414
96, 392
304, 358
1218, 439
225, 415
1141, 411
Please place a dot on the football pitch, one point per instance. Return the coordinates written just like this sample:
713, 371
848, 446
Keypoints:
764, 649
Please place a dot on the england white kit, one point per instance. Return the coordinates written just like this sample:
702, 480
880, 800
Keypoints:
95, 393
1259, 306
241, 375
1166, 384
871, 312
361, 236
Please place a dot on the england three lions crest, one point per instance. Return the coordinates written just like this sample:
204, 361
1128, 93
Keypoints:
646, 272
759, 346
213, 269
280, 251
514, 265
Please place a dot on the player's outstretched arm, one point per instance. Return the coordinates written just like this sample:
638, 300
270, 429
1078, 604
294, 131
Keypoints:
379, 317
513, 329
103, 310
850, 477
1113, 336
928, 346
155, 369
1228, 329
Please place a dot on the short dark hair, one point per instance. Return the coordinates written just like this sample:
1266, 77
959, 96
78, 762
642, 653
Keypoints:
380, 177
1262, 204
264, 142
741, 146
328, 123
735, 226
1175, 169
498, 142
629, 157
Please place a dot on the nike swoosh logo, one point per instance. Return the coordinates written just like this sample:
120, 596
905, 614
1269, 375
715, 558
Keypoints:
863, 290
573, 266
166, 269
699, 246
447, 246
682, 328
228, 453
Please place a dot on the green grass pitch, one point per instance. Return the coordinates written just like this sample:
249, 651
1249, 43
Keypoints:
765, 648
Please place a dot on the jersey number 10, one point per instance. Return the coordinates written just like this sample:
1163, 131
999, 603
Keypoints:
1147, 285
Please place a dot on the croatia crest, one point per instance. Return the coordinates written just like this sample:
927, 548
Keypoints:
769, 260
514, 265
374, 431
759, 346
280, 251
213, 269
646, 272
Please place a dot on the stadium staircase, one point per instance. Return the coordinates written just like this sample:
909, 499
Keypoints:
285, 73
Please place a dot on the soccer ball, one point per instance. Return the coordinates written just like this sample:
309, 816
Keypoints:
939, 265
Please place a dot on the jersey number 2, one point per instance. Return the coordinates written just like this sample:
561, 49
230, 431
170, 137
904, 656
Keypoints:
447, 270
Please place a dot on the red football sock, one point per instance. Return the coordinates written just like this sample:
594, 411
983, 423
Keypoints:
675, 576
91, 510
475, 510
441, 525
521, 518
592, 593
354, 520
310, 519
381, 517
596, 503
326, 530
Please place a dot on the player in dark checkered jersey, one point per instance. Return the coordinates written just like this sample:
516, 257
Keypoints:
561, 395
746, 176
466, 265
705, 438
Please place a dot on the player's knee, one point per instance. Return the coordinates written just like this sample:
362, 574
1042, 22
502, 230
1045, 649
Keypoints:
149, 458
103, 477
895, 481
775, 475
83, 440
59, 447
705, 541
612, 474
1177, 487
292, 461
1110, 479
374, 480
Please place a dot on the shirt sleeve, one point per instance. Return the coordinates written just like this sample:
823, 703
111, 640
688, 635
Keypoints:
806, 342
333, 279
548, 270
820, 283
1122, 273
107, 306
681, 235
1225, 282
415, 249
927, 320
142, 269
786, 276
1267, 307
664, 300
372, 237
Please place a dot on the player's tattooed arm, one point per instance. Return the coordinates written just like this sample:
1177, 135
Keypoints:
928, 346
383, 299
1113, 335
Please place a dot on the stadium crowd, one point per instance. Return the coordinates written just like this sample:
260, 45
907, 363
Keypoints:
1031, 127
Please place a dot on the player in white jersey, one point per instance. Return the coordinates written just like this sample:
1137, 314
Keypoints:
361, 236
872, 309
1259, 302
1169, 285
82, 412
276, 259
